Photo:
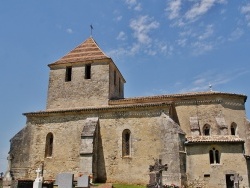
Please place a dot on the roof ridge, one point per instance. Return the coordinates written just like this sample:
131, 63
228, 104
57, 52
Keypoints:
88, 50
178, 95
98, 46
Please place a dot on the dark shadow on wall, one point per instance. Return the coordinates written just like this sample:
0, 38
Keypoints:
20, 146
248, 168
173, 114
99, 170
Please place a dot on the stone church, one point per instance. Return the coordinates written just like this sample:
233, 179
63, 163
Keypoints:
89, 127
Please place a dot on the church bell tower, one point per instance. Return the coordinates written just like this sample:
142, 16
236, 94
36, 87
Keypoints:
85, 77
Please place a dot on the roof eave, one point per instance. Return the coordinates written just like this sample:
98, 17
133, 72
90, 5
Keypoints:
71, 63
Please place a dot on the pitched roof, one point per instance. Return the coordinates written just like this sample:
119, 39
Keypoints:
115, 108
172, 97
86, 51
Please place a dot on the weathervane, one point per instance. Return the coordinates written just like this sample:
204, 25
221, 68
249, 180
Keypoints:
91, 29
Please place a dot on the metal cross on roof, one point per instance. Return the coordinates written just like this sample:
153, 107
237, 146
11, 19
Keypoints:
91, 29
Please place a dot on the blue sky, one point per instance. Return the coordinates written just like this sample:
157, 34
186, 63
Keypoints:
160, 46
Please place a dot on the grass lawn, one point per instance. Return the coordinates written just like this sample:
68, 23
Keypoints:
127, 186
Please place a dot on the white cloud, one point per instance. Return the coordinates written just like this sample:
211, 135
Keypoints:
183, 12
70, 31
246, 11
133, 4
200, 8
121, 36
199, 81
156, 47
124, 51
182, 42
200, 47
135, 48
208, 32
198, 38
118, 18
187, 32
216, 78
236, 34
164, 48
150, 52
142, 26
173, 9
138, 7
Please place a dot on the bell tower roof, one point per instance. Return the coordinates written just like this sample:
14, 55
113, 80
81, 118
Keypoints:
86, 51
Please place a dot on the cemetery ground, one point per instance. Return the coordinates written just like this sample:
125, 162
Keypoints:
103, 186
127, 186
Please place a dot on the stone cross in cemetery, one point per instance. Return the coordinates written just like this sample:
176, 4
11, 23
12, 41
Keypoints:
236, 178
155, 174
39, 179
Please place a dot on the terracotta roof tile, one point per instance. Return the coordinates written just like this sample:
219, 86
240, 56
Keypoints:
87, 51
171, 97
214, 138
100, 109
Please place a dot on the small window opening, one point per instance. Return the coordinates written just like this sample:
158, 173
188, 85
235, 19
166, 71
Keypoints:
233, 129
206, 130
68, 75
126, 142
88, 71
214, 156
229, 182
49, 145
217, 158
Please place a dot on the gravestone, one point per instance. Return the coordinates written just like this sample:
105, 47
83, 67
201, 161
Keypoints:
155, 175
236, 178
83, 181
39, 179
64, 180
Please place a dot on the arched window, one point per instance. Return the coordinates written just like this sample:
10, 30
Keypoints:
126, 137
233, 128
49, 145
206, 130
214, 156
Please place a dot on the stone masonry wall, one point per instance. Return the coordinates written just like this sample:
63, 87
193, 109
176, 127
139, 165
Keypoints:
173, 152
152, 137
78, 92
207, 110
116, 87
201, 171
146, 144
20, 152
